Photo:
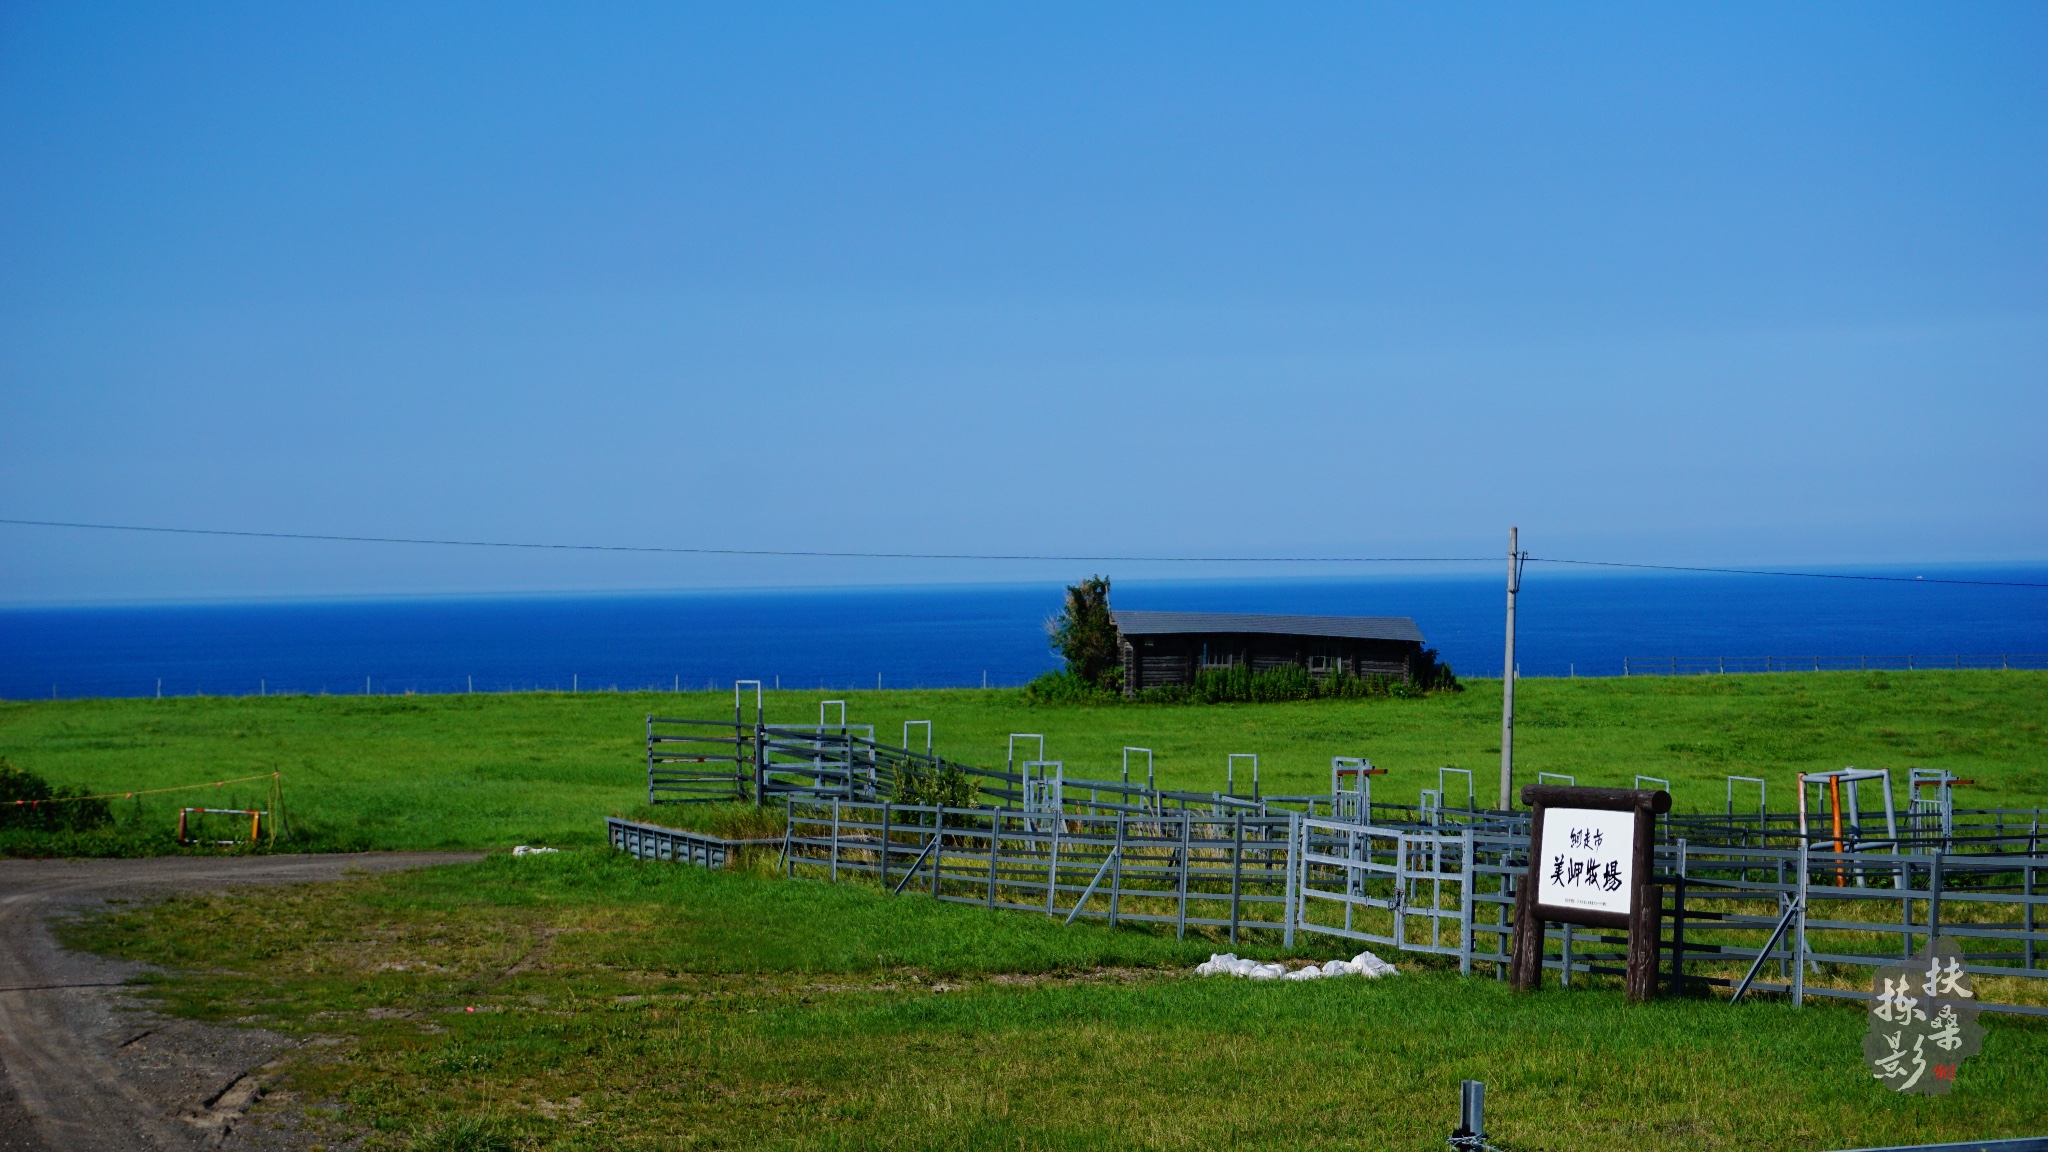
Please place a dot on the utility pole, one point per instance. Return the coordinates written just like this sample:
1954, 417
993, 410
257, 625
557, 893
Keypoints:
1507, 679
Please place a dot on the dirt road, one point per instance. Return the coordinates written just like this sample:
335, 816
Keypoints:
83, 1067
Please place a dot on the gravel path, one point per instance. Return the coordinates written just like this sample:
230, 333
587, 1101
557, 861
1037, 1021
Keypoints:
83, 1066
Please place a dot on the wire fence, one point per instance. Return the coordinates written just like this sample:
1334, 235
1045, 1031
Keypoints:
1734, 665
94, 687
89, 687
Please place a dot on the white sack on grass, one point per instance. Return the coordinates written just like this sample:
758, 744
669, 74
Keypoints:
1367, 964
1228, 964
525, 850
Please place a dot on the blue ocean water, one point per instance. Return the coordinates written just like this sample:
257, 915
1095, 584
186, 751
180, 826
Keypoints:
948, 636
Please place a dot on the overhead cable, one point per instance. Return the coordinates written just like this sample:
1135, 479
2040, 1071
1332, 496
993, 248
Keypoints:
988, 556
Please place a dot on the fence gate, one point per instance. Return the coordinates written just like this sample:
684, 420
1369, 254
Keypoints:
1404, 889
707, 760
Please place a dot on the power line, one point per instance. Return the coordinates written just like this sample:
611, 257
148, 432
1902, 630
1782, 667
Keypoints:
1800, 575
990, 556
757, 551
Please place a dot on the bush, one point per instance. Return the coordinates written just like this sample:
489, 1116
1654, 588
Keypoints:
28, 803
1434, 675
1064, 687
948, 787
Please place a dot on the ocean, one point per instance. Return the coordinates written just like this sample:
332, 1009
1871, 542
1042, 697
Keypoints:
967, 635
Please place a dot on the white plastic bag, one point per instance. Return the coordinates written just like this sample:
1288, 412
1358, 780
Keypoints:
1367, 964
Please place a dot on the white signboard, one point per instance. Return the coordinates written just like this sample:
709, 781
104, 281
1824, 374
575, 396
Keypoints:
1588, 859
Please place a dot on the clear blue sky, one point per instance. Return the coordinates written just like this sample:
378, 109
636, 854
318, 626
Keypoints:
1708, 283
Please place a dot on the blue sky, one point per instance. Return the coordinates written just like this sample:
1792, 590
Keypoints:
1720, 284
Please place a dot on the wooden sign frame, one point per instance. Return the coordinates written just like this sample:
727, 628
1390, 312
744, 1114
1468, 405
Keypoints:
1644, 918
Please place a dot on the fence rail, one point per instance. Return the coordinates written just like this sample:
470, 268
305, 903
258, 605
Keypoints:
1187, 869
654, 842
1720, 665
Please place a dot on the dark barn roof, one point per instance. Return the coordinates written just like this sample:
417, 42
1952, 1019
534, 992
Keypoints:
1346, 627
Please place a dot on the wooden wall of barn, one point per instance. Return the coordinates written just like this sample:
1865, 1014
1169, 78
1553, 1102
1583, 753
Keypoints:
1174, 658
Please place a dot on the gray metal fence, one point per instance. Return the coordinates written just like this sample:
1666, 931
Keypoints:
1187, 868
1801, 920
653, 842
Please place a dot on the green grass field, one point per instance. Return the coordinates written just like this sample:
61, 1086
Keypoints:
482, 771
586, 1001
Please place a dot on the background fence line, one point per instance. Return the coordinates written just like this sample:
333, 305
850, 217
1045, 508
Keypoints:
1730, 665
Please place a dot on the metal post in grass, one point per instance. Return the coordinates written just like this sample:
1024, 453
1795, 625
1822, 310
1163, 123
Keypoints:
1236, 870
1187, 827
1906, 911
886, 810
995, 830
1934, 897
1468, 874
1564, 970
1116, 875
1502, 940
1678, 927
835, 839
1471, 1133
1290, 896
2028, 890
1799, 942
1052, 868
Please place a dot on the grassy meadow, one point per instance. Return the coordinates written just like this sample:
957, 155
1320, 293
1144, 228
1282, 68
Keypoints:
489, 771
587, 1001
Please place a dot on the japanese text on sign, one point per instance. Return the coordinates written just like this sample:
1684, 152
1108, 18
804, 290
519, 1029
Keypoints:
1587, 860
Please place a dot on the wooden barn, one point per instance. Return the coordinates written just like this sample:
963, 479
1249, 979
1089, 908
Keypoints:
1170, 647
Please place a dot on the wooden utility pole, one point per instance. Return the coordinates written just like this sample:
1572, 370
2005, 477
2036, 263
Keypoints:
1507, 680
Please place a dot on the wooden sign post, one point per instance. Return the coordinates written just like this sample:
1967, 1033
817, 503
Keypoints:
1590, 864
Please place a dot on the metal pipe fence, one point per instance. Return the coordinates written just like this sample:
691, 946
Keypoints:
653, 842
1801, 920
1186, 869
1817, 916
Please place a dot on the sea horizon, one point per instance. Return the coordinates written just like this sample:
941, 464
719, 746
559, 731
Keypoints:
1570, 623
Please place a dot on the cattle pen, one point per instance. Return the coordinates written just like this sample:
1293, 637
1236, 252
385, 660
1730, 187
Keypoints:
1799, 903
